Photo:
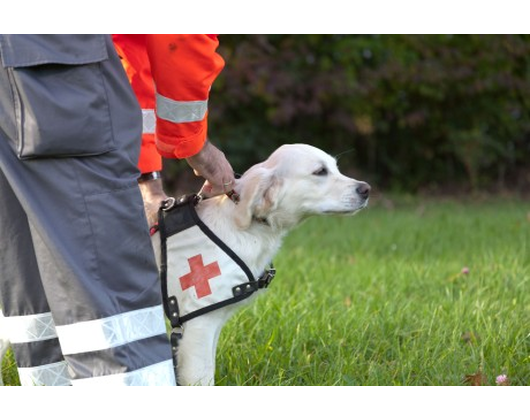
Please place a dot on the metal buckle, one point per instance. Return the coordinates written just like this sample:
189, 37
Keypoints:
168, 203
235, 197
176, 335
271, 273
267, 277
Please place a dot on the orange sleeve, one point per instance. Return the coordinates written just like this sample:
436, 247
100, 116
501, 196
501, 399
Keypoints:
133, 54
171, 74
183, 68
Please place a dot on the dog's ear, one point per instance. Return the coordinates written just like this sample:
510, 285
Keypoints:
259, 190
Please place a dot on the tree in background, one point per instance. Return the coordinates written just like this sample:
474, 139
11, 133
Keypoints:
408, 112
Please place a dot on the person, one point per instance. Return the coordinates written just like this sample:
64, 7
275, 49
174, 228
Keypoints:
79, 284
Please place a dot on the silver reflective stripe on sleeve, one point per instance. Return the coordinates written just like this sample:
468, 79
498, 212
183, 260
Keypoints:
149, 121
159, 374
30, 328
114, 331
180, 111
53, 374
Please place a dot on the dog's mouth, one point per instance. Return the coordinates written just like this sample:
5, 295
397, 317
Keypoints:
348, 211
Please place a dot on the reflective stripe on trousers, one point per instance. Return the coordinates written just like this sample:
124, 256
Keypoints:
25, 329
87, 337
114, 331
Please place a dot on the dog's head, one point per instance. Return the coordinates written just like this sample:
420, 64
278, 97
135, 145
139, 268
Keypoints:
296, 181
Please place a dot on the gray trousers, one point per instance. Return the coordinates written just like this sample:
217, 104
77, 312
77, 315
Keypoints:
78, 280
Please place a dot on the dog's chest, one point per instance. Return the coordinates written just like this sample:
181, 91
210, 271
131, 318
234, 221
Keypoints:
199, 272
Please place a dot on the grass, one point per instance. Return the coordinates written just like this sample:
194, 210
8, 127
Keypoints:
380, 299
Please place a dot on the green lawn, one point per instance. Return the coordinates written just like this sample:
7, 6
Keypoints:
381, 299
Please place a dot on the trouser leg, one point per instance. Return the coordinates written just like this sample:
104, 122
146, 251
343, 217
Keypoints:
28, 323
97, 267
87, 224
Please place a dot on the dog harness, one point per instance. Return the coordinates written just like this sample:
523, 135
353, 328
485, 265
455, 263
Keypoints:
207, 275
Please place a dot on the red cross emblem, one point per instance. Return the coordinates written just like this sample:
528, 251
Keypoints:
199, 276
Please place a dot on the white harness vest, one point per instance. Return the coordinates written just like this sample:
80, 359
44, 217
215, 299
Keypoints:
203, 273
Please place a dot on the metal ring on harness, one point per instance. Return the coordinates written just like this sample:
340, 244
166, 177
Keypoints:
168, 204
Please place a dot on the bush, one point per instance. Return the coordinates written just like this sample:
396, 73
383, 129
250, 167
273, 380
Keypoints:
406, 112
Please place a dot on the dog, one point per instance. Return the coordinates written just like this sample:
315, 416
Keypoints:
297, 181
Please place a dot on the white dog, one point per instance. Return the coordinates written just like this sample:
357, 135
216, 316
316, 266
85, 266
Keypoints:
295, 182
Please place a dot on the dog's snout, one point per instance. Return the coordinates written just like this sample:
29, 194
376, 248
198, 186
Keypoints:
363, 190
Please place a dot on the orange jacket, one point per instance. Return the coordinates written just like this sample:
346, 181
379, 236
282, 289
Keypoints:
171, 76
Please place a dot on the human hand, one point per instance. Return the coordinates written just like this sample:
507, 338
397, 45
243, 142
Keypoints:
211, 164
153, 194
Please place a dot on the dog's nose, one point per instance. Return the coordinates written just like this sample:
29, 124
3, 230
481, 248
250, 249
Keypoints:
363, 190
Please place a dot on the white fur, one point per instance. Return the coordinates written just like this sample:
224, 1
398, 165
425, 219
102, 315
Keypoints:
295, 182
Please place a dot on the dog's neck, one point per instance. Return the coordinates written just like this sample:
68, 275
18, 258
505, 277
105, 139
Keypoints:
256, 246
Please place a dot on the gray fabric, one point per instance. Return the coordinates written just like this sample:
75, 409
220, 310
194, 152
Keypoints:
32, 50
18, 265
57, 110
85, 213
19, 271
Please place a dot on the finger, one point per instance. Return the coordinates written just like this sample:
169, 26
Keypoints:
208, 190
228, 185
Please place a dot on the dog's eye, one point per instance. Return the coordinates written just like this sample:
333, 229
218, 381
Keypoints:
321, 172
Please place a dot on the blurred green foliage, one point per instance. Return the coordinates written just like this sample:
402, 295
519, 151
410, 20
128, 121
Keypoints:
405, 112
